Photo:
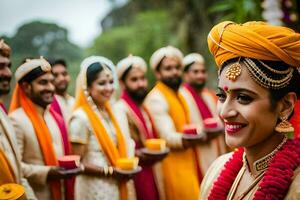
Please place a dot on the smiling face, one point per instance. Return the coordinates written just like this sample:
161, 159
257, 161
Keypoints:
102, 88
245, 108
40, 90
5, 75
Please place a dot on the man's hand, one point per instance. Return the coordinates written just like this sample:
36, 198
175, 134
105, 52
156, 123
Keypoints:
57, 173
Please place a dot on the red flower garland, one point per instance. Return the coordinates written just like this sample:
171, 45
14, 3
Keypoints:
276, 180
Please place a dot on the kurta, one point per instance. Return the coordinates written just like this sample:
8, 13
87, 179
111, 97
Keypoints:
33, 165
8, 145
147, 182
81, 131
180, 177
218, 165
213, 149
66, 104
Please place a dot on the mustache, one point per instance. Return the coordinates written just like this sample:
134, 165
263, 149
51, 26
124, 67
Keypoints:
5, 78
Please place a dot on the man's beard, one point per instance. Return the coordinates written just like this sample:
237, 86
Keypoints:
4, 90
173, 82
38, 99
197, 86
137, 95
61, 90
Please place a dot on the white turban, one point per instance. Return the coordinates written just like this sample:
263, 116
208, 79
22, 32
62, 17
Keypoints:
131, 61
160, 54
192, 58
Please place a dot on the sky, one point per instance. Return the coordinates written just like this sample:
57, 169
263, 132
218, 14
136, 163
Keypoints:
81, 17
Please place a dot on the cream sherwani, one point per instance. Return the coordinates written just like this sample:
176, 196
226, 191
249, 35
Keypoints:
66, 104
81, 131
218, 165
8, 145
158, 107
33, 165
213, 149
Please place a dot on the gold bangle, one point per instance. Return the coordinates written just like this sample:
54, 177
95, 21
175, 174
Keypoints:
105, 170
110, 170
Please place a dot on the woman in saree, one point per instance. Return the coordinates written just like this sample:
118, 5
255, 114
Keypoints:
258, 87
99, 135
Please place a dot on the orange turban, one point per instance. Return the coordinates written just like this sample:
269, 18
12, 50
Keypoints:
257, 40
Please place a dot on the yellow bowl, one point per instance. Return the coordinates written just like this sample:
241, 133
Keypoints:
127, 163
155, 144
12, 191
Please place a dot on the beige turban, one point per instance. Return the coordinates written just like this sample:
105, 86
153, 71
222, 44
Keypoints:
5, 50
257, 40
130, 61
160, 54
30, 65
192, 58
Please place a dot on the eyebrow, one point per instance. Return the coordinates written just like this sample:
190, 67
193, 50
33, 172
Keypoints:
240, 90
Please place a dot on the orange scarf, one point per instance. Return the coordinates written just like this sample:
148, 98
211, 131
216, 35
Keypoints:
111, 151
180, 167
7, 174
43, 135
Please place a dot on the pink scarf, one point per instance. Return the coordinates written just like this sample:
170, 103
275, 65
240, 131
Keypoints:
202, 107
55, 111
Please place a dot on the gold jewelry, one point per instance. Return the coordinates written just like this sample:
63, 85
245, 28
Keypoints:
284, 126
274, 70
234, 70
110, 170
262, 164
105, 170
262, 79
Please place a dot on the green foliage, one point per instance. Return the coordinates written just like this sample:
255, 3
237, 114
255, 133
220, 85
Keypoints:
239, 11
149, 31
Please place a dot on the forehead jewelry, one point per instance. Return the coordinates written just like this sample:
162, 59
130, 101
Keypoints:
234, 71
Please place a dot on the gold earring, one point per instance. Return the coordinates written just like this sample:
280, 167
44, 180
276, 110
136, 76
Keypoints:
284, 126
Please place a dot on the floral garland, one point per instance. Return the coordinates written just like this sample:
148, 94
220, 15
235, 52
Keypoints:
276, 180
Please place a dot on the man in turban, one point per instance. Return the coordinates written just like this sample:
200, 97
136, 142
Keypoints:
10, 160
131, 73
202, 105
181, 174
41, 134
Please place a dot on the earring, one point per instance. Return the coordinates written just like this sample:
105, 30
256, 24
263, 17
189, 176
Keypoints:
284, 126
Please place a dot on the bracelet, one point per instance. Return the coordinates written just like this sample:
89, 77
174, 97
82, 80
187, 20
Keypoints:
105, 170
110, 170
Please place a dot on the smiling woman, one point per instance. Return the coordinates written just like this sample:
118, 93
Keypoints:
257, 90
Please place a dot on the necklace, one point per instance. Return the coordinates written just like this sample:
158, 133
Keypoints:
280, 171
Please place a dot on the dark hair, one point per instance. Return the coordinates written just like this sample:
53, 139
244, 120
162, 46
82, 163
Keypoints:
275, 94
159, 63
123, 77
187, 67
93, 71
59, 62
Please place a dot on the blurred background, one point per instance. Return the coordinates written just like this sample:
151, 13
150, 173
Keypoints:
75, 29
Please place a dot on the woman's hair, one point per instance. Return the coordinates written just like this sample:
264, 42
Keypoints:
275, 94
93, 71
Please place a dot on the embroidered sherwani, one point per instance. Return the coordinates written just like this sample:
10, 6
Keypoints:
66, 104
180, 175
33, 165
156, 190
81, 131
218, 165
8, 146
214, 148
